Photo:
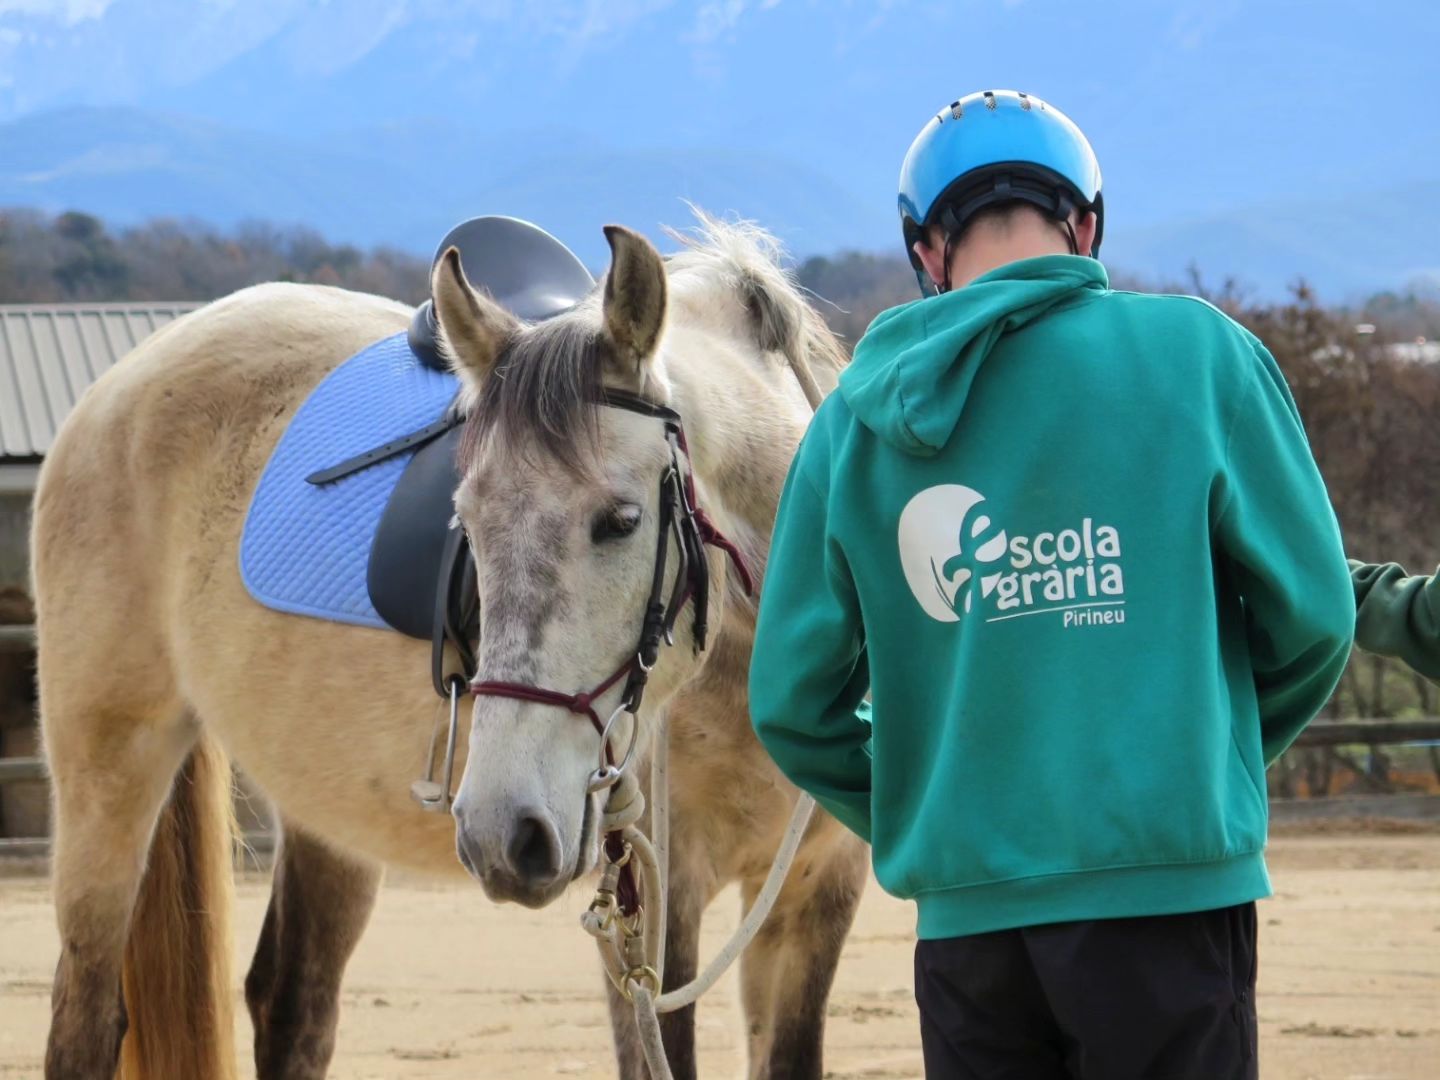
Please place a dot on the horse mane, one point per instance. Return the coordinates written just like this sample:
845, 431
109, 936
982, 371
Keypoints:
543, 392
745, 258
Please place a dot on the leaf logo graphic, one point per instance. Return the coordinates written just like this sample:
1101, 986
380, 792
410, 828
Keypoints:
947, 540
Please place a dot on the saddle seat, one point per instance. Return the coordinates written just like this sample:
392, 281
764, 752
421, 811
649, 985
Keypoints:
525, 269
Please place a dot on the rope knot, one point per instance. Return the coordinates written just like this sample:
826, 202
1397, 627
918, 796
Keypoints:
624, 806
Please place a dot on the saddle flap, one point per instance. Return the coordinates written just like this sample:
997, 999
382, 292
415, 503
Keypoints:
410, 540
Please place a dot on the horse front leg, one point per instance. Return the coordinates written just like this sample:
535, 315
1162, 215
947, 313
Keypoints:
682, 959
787, 972
320, 903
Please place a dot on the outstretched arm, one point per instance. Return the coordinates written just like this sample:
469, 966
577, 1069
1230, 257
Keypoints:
1398, 615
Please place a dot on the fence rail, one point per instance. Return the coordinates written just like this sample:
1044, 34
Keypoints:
17, 637
1327, 733
1370, 732
21, 768
1406, 806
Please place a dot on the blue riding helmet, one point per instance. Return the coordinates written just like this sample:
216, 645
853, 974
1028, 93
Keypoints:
992, 147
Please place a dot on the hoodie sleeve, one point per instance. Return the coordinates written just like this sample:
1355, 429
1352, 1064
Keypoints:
808, 675
1278, 536
1397, 615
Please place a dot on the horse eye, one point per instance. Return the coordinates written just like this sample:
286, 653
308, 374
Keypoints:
615, 523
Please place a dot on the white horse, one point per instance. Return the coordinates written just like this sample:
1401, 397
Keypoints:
155, 663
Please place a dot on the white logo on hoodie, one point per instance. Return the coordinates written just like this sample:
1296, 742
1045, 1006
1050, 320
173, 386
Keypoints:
951, 551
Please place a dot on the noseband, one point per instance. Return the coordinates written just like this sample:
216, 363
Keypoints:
692, 531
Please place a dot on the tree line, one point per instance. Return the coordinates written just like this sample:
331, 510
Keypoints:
75, 257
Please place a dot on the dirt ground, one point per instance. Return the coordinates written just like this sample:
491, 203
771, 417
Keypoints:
445, 985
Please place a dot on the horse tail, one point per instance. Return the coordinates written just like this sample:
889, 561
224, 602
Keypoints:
176, 975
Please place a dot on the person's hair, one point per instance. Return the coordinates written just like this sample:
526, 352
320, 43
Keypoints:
999, 215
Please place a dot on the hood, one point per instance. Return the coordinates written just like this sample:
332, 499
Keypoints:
913, 369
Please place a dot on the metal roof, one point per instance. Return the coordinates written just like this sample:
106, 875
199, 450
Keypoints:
49, 354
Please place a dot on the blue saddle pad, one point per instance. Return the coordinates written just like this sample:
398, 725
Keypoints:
305, 548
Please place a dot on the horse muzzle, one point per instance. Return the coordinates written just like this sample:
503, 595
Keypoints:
517, 857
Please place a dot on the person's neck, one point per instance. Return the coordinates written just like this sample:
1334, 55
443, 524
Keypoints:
985, 252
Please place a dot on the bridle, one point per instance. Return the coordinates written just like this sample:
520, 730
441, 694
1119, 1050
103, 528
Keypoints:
692, 531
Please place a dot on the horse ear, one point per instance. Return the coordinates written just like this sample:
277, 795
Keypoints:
473, 327
634, 299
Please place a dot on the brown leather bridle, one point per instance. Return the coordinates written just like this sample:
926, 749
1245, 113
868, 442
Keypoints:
692, 531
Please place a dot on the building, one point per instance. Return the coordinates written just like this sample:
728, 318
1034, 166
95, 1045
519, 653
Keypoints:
49, 356
1418, 351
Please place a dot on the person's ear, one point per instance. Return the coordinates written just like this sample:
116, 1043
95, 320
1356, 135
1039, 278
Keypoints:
932, 260
1085, 232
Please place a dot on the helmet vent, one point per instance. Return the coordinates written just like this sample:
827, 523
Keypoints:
1024, 102
956, 111
990, 100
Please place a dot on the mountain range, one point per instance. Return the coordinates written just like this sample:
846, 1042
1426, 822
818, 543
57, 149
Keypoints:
403, 186
1264, 141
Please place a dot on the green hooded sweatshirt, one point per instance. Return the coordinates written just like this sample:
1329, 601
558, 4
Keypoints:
1398, 615
1074, 545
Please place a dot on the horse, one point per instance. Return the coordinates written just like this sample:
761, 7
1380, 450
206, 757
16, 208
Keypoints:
157, 671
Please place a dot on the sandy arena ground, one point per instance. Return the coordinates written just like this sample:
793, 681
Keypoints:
445, 985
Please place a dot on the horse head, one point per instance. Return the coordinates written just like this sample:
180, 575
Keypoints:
564, 503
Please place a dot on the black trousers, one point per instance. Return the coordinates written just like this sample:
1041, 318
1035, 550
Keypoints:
1164, 998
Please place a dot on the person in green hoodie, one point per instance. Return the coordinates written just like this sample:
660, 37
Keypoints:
1073, 545
1398, 615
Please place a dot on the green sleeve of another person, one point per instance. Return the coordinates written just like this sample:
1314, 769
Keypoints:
1398, 615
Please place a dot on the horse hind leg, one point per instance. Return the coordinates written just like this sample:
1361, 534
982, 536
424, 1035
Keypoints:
787, 971
320, 903
111, 771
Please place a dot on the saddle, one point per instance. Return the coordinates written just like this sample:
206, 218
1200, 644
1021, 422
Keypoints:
521, 266
420, 576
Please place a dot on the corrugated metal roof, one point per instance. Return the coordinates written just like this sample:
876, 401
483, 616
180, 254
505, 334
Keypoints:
49, 354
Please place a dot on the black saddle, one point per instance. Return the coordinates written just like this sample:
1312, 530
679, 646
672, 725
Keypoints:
523, 268
420, 575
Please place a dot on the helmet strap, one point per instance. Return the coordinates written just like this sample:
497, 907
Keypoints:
950, 224
1064, 207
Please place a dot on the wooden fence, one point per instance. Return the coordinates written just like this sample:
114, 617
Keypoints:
1324, 734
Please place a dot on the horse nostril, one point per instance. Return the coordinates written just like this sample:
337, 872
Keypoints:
534, 850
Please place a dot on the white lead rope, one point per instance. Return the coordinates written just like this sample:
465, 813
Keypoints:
648, 1007
660, 827
655, 867
754, 918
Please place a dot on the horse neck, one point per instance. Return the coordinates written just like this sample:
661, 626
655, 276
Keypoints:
742, 449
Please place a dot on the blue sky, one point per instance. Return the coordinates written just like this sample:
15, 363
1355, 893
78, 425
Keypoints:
1195, 108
